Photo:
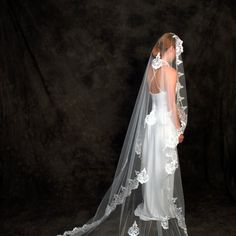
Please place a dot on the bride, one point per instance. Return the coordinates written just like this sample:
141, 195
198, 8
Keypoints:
146, 196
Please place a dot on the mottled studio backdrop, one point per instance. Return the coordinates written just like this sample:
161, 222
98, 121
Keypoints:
70, 71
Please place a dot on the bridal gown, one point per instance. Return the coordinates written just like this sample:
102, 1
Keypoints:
160, 159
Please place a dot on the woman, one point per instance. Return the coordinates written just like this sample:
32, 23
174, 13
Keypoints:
146, 196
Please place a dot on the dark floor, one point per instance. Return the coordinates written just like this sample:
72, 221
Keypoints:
208, 213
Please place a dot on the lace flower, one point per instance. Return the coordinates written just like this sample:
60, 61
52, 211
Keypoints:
150, 119
165, 223
156, 62
171, 167
134, 229
142, 176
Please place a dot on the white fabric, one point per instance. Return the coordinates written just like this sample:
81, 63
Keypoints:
159, 127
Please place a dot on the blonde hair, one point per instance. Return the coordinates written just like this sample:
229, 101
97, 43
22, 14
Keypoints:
163, 43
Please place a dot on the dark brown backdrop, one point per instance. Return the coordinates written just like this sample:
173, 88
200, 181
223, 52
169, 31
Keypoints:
69, 76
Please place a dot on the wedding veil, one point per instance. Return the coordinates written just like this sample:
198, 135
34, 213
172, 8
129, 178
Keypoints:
115, 214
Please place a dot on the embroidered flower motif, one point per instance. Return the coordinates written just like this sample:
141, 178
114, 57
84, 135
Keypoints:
132, 184
171, 167
165, 223
134, 229
156, 62
178, 45
150, 119
142, 176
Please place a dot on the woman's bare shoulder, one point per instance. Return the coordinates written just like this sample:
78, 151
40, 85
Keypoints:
170, 73
170, 69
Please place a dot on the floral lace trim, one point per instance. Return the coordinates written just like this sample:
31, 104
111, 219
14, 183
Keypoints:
179, 46
134, 229
171, 167
157, 62
81, 230
141, 177
179, 215
165, 223
180, 107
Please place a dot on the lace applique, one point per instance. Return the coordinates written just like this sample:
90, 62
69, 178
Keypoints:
157, 62
142, 176
180, 107
150, 119
134, 229
179, 45
165, 223
171, 167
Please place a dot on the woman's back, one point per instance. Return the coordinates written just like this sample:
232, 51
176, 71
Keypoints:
158, 79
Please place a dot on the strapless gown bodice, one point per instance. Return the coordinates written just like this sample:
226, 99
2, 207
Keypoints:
159, 101
159, 113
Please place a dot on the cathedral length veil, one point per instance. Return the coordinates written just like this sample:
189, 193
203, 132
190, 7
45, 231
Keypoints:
146, 196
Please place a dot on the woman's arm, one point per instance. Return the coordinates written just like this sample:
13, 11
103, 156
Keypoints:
170, 83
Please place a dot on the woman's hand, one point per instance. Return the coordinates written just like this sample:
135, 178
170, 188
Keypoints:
181, 138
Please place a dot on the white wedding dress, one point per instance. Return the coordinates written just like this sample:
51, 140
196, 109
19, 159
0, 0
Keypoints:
160, 160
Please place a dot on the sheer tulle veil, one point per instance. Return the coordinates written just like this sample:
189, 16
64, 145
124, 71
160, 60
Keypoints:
117, 212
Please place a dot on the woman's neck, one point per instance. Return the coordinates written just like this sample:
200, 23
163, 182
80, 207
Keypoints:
164, 59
